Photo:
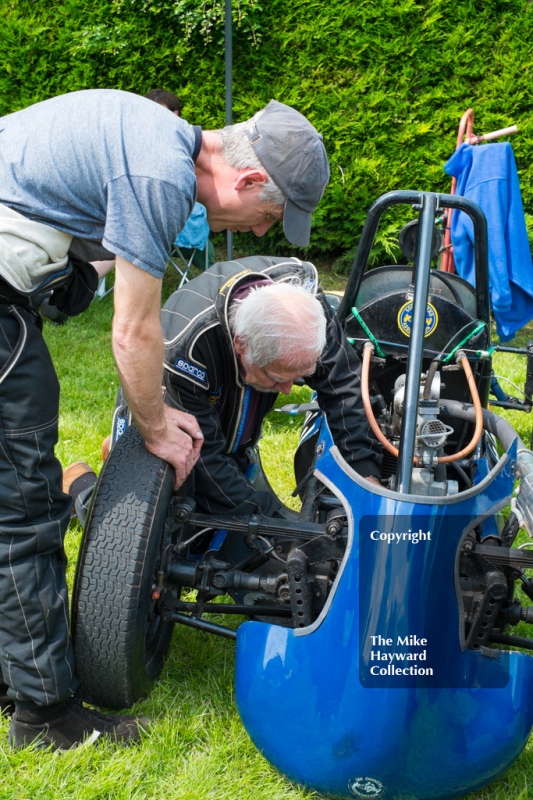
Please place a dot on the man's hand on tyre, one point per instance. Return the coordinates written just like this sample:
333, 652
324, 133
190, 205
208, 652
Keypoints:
181, 443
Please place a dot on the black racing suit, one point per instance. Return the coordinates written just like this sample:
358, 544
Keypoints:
202, 377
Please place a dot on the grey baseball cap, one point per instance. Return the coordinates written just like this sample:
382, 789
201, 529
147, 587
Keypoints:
293, 153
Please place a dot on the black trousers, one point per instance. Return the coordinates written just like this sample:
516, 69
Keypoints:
35, 650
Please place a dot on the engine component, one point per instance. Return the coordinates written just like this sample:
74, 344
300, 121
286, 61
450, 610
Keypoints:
386, 436
423, 483
399, 390
432, 434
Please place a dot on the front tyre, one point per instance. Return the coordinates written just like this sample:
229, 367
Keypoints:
120, 640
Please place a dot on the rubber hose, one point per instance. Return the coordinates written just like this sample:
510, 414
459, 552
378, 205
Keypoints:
491, 422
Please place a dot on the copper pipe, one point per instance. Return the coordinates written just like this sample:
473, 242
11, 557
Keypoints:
466, 126
447, 262
365, 394
380, 436
479, 415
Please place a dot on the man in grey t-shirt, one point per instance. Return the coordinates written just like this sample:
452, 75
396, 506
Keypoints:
86, 176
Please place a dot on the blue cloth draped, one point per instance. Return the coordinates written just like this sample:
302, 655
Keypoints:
487, 175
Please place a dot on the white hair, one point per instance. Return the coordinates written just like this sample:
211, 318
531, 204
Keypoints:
240, 154
280, 321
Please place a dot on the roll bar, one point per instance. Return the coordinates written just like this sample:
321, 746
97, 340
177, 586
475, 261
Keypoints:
428, 204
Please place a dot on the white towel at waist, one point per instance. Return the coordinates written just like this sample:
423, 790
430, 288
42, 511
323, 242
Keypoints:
30, 252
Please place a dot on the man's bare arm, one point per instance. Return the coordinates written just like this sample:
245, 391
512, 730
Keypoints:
139, 351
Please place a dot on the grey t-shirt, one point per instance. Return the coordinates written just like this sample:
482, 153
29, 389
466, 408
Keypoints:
102, 165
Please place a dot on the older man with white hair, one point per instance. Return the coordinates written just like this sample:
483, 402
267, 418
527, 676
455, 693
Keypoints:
235, 337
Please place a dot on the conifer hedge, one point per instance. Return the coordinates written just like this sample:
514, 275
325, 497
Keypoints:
385, 81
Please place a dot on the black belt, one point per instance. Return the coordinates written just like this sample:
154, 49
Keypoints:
9, 295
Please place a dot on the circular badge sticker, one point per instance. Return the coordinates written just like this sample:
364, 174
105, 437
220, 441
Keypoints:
366, 787
405, 319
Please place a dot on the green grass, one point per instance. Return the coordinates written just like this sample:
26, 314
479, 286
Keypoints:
513, 367
197, 748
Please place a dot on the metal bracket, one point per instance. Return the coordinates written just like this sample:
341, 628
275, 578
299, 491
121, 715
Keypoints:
297, 571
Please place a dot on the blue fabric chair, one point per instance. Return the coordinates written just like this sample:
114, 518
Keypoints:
192, 241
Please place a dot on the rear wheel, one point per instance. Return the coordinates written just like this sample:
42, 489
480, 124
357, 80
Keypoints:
120, 640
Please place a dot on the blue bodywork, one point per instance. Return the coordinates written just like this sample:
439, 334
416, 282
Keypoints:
314, 701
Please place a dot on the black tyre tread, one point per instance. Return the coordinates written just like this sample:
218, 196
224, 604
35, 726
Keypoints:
116, 561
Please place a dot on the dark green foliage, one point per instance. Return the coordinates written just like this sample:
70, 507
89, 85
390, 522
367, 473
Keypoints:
386, 81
